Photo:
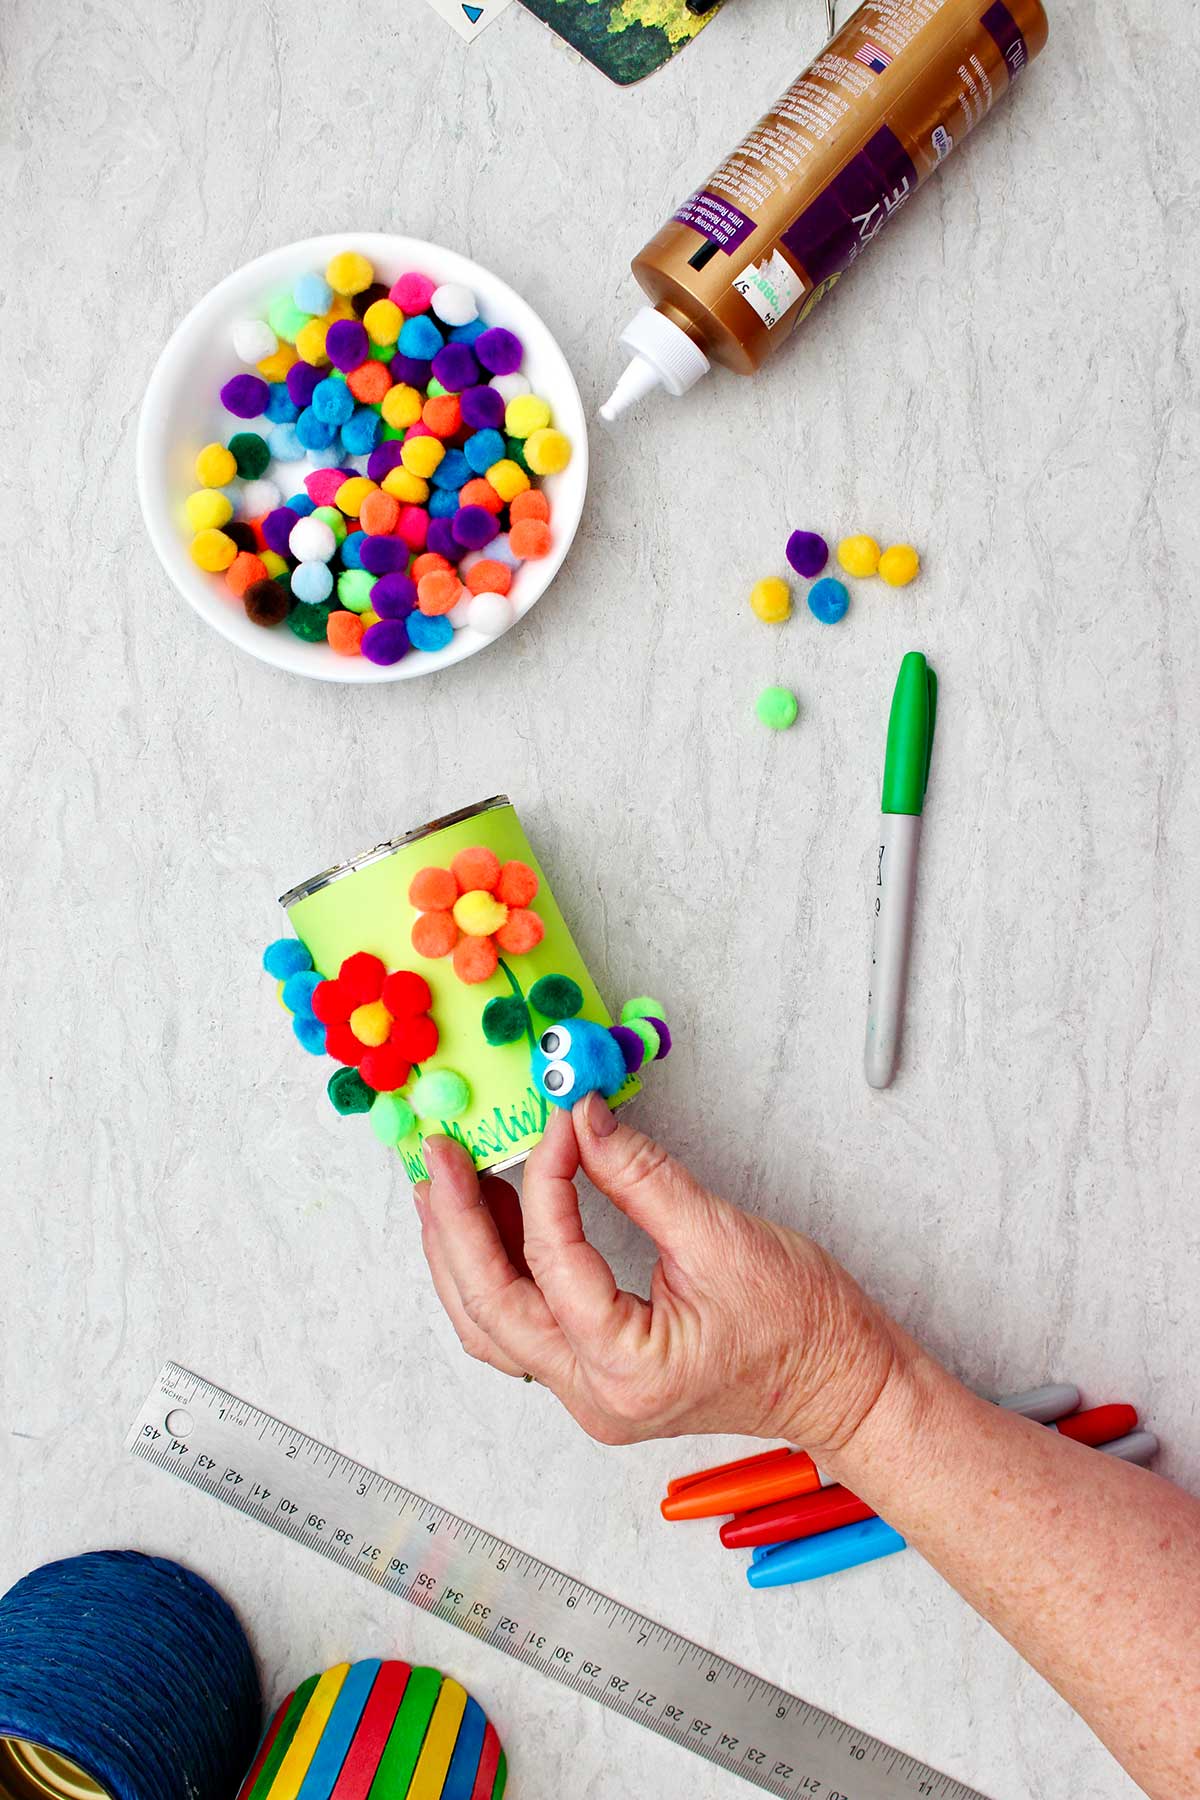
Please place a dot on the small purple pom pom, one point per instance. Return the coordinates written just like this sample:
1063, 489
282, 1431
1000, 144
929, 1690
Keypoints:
442, 541
499, 350
301, 379
277, 529
664, 1036
347, 344
482, 408
474, 526
394, 596
807, 552
386, 642
384, 457
246, 396
410, 369
382, 555
456, 368
631, 1047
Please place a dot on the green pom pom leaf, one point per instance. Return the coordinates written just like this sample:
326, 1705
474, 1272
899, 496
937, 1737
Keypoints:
349, 1092
643, 1007
440, 1094
556, 997
505, 1020
392, 1118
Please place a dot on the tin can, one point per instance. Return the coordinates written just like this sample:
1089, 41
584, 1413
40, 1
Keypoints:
365, 905
30, 1771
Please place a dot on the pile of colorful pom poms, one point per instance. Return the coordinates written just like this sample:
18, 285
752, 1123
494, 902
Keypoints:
423, 446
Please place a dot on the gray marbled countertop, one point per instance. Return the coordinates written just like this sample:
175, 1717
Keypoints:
1010, 379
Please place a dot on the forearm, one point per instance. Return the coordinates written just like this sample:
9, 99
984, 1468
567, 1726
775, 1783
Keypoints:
1089, 1567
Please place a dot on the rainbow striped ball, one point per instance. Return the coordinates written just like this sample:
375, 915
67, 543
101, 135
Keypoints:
378, 1729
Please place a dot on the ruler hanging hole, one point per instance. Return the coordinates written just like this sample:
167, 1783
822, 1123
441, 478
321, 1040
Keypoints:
179, 1422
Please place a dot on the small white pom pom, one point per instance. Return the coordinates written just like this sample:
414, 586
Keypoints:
311, 540
454, 304
490, 613
253, 339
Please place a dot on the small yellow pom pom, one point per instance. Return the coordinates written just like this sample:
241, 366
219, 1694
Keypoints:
421, 456
208, 509
371, 1023
525, 414
213, 551
276, 366
349, 273
479, 913
859, 555
405, 486
401, 406
272, 563
215, 466
310, 342
547, 451
508, 478
383, 320
351, 495
369, 618
899, 565
771, 600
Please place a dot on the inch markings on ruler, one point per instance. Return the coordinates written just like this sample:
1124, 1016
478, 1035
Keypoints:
522, 1606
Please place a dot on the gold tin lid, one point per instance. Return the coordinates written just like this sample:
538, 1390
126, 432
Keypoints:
328, 876
31, 1771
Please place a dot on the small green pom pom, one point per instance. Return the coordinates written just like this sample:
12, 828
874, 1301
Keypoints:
349, 1092
354, 589
392, 1118
442, 1094
648, 1035
556, 997
777, 708
329, 515
390, 433
309, 622
643, 1007
250, 453
505, 1019
286, 320
516, 452
434, 388
382, 352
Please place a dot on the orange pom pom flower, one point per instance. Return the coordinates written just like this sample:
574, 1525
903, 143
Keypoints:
474, 910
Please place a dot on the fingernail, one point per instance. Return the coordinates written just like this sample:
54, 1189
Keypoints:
599, 1117
434, 1150
420, 1196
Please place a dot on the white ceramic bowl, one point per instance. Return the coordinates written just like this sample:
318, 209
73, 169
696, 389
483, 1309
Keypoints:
181, 412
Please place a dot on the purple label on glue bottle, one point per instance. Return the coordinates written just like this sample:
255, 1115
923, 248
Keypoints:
722, 223
1004, 28
853, 209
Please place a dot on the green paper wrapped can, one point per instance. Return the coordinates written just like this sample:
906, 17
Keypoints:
435, 950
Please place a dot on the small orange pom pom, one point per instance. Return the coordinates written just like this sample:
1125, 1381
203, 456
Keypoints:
442, 414
433, 889
344, 631
530, 538
475, 960
517, 885
369, 382
426, 563
434, 934
480, 492
438, 592
476, 868
532, 504
522, 931
379, 511
244, 571
489, 577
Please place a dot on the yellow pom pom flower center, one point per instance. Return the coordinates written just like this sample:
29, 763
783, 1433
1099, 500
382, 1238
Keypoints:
371, 1023
479, 914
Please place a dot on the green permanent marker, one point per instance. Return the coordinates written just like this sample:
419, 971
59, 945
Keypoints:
905, 774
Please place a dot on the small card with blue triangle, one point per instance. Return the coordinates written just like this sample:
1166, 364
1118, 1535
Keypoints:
469, 17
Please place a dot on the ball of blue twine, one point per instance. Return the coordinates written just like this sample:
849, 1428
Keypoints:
134, 1668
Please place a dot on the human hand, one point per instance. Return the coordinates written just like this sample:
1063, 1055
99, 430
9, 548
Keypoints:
749, 1327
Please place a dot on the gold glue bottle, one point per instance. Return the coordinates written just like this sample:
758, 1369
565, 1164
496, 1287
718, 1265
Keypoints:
748, 256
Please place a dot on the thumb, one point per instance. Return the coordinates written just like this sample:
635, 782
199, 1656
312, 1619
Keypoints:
643, 1180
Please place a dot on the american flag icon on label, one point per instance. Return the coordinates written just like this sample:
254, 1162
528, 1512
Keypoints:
873, 56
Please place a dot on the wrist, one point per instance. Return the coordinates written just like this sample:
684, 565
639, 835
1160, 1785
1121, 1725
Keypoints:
902, 1420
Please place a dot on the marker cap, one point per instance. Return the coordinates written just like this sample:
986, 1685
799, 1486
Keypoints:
910, 736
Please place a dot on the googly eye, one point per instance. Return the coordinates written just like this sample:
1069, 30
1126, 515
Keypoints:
559, 1077
555, 1042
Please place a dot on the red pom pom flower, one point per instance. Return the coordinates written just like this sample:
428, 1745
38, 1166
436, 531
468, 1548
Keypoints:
474, 911
376, 1023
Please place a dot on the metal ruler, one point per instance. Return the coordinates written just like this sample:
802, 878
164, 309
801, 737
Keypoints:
532, 1612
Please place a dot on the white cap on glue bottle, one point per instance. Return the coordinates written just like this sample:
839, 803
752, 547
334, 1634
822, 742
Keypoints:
663, 355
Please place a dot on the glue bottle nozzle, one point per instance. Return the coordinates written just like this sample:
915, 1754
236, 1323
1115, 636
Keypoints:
662, 355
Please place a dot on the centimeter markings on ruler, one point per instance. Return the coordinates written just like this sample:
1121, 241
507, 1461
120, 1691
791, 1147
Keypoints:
522, 1606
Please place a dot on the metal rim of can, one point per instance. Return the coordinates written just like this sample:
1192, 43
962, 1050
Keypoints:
327, 877
30, 1771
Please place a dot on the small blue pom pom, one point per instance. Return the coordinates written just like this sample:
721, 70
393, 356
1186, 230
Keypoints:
283, 441
313, 294
452, 471
286, 956
360, 433
466, 334
484, 449
314, 433
301, 504
298, 990
281, 409
425, 633
351, 550
828, 600
312, 582
332, 401
310, 1032
420, 338
442, 503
